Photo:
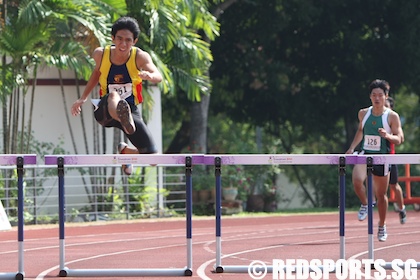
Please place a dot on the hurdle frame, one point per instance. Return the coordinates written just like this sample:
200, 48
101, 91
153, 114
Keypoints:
291, 159
19, 161
154, 160
370, 161
266, 159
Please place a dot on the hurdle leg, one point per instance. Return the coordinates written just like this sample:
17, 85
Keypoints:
188, 184
217, 164
61, 215
369, 162
20, 275
342, 202
20, 171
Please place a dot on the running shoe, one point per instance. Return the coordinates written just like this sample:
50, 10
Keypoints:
363, 211
403, 216
127, 168
382, 235
126, 119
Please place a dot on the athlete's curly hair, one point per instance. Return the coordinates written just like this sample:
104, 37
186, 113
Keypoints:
126, 23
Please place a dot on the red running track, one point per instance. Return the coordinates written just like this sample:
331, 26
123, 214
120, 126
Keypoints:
161, 243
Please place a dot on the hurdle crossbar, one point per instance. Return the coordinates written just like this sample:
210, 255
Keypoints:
273, 159
18, 160
309, 159
10, 159
107, 159
65, 160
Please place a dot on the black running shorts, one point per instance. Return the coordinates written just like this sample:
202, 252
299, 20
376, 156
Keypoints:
142, 138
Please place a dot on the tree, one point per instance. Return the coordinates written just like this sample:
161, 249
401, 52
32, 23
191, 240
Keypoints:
300, 69
39, 33
30, 39
177, 37
285, 55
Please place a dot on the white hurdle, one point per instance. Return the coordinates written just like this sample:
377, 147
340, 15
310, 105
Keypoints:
303, 159
156, 160
341, 160
19, 161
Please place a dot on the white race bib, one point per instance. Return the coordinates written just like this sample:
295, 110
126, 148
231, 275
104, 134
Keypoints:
124, 90
372, 143
95, 103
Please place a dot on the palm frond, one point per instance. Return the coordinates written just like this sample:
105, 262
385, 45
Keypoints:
33, 11
70, 55
194, 85
167, 85
18, 39
114, 8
